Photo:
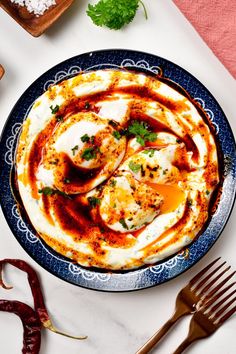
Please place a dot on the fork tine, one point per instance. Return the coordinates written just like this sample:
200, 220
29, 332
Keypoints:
209, 300
213, 281
219, 286
219, 303
222, 310
202, 272
227, 315
204, 280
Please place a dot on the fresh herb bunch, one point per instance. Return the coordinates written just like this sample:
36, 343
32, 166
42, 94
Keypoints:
114, 14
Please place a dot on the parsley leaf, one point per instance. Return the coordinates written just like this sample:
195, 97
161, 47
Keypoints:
141, 131
149, 152
54, 109
116, 134
114, 14
85, 138
123, 223
89, 153
140, 140
93, 201
134, 166
74, 149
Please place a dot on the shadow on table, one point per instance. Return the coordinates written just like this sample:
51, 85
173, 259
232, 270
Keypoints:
70, 15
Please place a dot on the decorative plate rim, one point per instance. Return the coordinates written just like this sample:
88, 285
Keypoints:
96, 279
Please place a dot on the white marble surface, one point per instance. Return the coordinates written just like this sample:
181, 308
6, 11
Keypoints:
115, 323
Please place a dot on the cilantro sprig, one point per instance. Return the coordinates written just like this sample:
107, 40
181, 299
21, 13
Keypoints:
114, 14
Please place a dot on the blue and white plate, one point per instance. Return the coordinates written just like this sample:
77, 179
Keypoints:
144, 277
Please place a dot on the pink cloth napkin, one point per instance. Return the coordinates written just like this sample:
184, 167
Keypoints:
215, 21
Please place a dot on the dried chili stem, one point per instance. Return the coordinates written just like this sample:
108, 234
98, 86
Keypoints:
39, 303
30, 321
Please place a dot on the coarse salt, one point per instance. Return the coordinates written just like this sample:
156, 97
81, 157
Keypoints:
38, 7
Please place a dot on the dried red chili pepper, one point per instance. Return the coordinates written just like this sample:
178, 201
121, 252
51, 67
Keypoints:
31, 324
39, 304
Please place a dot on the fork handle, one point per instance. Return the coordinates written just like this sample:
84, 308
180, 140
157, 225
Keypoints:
181, 348
160, 333
195, 332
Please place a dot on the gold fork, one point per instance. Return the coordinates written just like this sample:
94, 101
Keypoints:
188, 298
209, 317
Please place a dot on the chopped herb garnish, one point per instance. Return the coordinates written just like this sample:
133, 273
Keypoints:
54, 109
152, 152
142, 132
112, 183
90, 153
116, 134
59, 118
123, 223
92, 139
74, 149
164, 171
149, 152
87, 105
46, 191
93, 201
51, 191
140, 140
85, 138
134, 166
178, 141
207, 192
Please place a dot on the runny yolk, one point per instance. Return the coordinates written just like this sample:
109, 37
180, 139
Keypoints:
172, 194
